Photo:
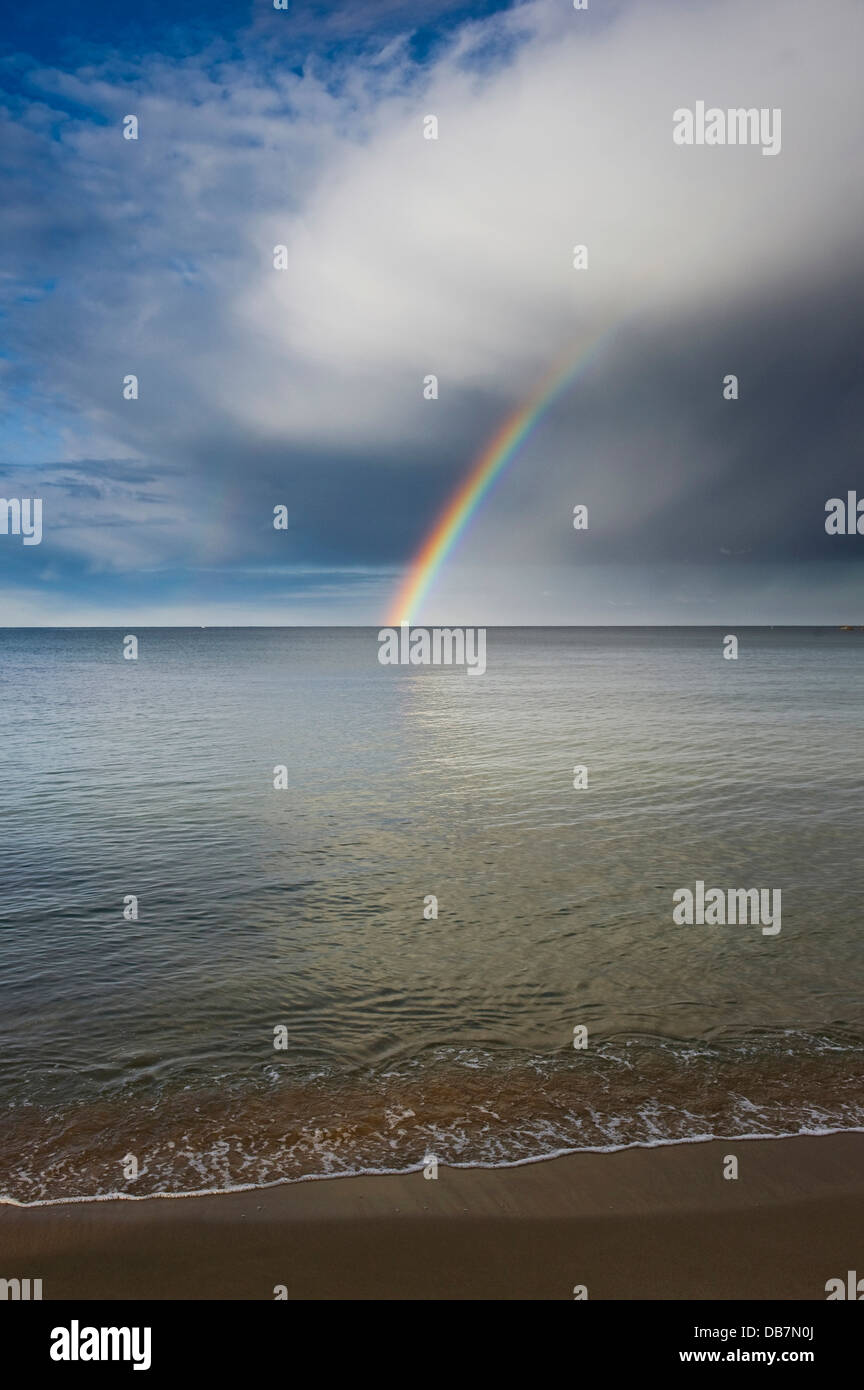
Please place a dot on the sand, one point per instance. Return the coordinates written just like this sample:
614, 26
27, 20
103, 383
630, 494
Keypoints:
639, 1224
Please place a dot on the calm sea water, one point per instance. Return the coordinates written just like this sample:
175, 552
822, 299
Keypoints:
303, 907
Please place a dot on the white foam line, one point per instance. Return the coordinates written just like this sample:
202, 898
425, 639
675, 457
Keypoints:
417, 1167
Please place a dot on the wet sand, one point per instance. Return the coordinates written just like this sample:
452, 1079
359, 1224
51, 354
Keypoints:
639, 1224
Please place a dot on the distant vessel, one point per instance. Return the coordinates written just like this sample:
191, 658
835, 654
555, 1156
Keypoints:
848, 628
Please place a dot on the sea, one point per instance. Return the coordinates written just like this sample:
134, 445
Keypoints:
272, 911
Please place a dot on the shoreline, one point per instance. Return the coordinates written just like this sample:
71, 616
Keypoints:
636, 1223
253, 1187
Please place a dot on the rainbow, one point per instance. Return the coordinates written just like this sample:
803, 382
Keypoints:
464, 502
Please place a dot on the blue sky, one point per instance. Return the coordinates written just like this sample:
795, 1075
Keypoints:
303, 386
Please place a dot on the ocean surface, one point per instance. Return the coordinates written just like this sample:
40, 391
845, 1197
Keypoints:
302, 909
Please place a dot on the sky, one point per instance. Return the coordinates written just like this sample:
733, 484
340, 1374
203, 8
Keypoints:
303, 386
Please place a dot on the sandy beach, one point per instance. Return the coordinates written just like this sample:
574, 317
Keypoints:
637, 1224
